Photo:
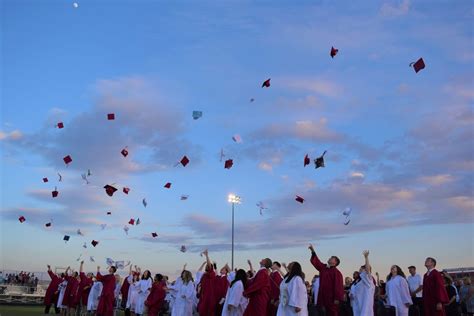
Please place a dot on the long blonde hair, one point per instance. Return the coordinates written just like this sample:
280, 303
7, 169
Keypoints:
186, 276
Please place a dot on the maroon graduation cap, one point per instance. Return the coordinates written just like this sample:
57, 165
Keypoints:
167, 185
55, 192
307, 161
228, 164
418, 65
45, 179
124, 152
60, 125
299, 199
131, 221
334, 52
110, 190
266, 83
111, 116
126, 190
22, 219
184, 161
67, 159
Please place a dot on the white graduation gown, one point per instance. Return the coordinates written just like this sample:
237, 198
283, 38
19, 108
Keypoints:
398, 294
235, 298
315, 287
132, 297
94, 294
362, 295
183, 304
144, 287
62, 289
293, 294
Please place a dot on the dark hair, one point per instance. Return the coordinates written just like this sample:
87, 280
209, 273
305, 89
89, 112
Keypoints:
268, 263
63, 275
76, 274
295, 270
399, 272
432, 259
277, 263
158, 277
412, 267
337, 260
240, 275
114, 268
149, 275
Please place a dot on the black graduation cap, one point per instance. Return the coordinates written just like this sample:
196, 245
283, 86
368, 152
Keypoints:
299, 199
266, 83
66, 238
55, 193
154, 235
94, 243
319, 162
47, 224
418, 65
110, 190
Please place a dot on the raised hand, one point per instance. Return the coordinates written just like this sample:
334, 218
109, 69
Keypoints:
310, 247
49, 267
365, 253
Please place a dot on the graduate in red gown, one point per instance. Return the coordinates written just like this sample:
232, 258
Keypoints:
107, 298
70, 292
258, 290
124, 291
51, 296
84, 288
275, 280
221, 286
156, 298
331, 286
207, 298
434, 292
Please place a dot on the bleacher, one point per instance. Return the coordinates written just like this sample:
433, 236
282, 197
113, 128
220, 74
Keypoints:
22, 295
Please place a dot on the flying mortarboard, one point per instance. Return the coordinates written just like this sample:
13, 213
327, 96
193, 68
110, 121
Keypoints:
60, 177
47, 224
418, 65
126, 190
184, 161
94, 243
144, 202
299, 199
236, 138
183, 248
334, 52
138, 221
66, 238
347, 223
228, 164
306, 160
111, 116
22, 219
124, 152
45, 180
184, 197
55, 192
110, 190
252, 99
79, 232
91, 258
167, 185
197, 114
131, 221
266, 83
125, 229
109, 213
154, 235
319, 162
67, 159
84, 245
60, 125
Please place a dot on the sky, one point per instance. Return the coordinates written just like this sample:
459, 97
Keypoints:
399, 144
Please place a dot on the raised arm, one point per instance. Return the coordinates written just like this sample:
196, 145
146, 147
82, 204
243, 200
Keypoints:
184, 266
315, 260
208, 261
51, 274
378, 278
130, 272
81, 267
250, 265
67, 271
368, 268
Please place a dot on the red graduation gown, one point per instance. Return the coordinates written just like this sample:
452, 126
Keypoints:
156, 298
258, 292
207, 298
69, 293
331, 286
107, 298
51, 297
221, 286
83, 294
434, 292
275, 280
124, 291
72, 302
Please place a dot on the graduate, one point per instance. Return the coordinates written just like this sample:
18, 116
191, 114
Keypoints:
397, 291
107, 297
207, 299
85, 283
275, 280
52, 293
185, 291
62, 290
156, 299
144, 288
132, 297
434, 292
117, 293
124, 291
362, 293
293, 293
235, 303
94, 296
331, 287
258, 290
221, 286
70, 292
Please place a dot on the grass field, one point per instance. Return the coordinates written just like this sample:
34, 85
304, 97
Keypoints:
11, 310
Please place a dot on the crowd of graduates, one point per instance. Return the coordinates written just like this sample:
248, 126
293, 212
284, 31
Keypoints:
274, 289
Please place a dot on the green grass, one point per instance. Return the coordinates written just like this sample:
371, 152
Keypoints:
10, 310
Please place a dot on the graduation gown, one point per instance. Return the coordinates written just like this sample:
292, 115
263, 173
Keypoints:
155, 299
183, 305
433, 292
62, 290
207, 297
124, 290
258, 292
94, 295
331, 286
275, 280
235, 298
293, 294
362, 296
398, 294
107, 297
51, 296
83, 294
144, 287
132, 296
221, 286
73, 285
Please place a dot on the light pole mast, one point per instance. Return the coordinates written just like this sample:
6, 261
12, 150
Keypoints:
233, 199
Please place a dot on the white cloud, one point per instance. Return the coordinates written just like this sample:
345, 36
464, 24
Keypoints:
395, 9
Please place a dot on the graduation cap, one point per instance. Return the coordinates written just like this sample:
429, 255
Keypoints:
84, 245
299, 199
319, 162
418, 65
22, 219
94, 243
252, 99
184, 161
183, 248
167, 185
125, 229
91, 258
67, 159
184, 197
154, 235
60, 125
307, 161
228, 164
236, 138
197, 114
79, 258
111, 116
262, 207
66, 238
144, 202
347, 211
126, 190
55, 192
110, 190
79, 232
45, 180
334, 51
131, 221
347, 223
109, 213
89, 172
47, 224
124, 152
222, 154
109, 261
138, 221
84, 177
75, 5
266, 83
60, 177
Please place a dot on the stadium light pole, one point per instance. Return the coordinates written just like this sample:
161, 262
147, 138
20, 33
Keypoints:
234, 199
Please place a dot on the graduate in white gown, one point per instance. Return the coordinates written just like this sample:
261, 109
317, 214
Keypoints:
184, 291
144, 288
362, 293
397, 291
293, 293
133, 292
235, 303
94, 294
61, 289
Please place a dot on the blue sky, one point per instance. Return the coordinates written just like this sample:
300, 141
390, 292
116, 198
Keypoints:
399, 143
